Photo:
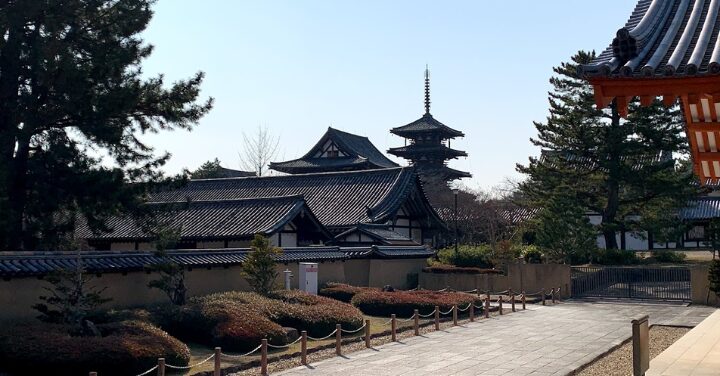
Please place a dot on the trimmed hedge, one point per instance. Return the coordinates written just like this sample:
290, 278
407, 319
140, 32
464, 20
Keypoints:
449, 269
237, 321
127, 347
403, 303
341, 291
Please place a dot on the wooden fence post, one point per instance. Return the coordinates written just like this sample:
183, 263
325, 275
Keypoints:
472, 311
338, 339
455, 313
543, 295
523, 299
559, 296
161, 367
416, 322
552, 295
487, 306
303, 347
393, 327
512, 302
500, 300
367, 333
263, 357
437, 318
216, 368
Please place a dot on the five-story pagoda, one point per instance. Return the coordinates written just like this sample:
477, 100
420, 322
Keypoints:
428, 148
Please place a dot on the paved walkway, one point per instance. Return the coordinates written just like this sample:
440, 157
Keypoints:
550, 340
697, 353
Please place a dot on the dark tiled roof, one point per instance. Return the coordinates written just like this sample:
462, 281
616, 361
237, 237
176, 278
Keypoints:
362, 154
415, 150
664, 38
379, 232
338, 199
701, 208
230, 173
445, 171
219, 219
426, 124
636, 163
395, 252
18, 265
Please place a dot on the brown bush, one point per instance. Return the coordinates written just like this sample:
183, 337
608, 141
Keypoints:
403, 303
316, 314
449, 269
127, 347
341, 291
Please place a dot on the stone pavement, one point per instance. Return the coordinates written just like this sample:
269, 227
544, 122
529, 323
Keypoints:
543, 340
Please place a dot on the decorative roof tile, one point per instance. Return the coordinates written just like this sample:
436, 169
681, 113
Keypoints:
664, 38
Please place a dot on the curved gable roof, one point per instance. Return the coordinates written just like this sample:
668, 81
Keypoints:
338, 199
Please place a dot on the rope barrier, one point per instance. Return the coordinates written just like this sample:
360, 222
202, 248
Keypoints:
288, 345
353, 331
192, 365
406, 320
466, 308
446, 313
148, 371
241, 355
324, 338
478, 307
428, 315
443, 290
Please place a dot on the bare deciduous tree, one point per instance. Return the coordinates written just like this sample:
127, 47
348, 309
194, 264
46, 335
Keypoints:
259, 150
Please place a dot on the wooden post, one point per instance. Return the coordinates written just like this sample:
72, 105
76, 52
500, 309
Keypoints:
487, 306
367, 333
416, 323
216, 369
500, 299
437, 318
303, 347
512, 302
641, 348
338, 339
393, 327
455, 311
161, 367
523, 299
552, 295
263, 357
559, 296
472, 311
543, 295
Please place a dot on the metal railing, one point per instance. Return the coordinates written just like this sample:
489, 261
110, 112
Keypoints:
652, 283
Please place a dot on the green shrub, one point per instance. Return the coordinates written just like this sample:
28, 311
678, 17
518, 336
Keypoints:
616, 257
669, 256
403, 303
478, 256
238, 321
531, 254
341, 291
450, 269
127, 347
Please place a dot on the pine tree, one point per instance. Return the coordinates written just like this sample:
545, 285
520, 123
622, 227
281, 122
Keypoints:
72, 90
617, 168
259, 268
208, 170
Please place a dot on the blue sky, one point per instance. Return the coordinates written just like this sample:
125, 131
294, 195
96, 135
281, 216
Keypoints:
298, 67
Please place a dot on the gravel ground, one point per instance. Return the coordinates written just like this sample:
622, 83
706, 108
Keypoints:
619, 361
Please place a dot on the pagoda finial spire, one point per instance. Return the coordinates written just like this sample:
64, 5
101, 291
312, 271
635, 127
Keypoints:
427, 90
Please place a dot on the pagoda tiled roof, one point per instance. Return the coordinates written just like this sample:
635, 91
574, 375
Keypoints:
361, 154
424, 150
338, 199
426, 124
211, 219
664, 38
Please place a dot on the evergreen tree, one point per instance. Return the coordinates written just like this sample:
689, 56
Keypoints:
621, 169
208, 170
73, 95
563, 230
172, 274
259, 268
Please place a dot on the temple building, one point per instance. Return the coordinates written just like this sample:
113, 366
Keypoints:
427, 145
668, 49
337, 151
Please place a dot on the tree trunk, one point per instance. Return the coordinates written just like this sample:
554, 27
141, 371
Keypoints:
609, 216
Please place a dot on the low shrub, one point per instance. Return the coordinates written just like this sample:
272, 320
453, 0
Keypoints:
616, 257
404, 303
238, 321
127, 347
669, 256
479, 256
449, 269
531, 254
341, 291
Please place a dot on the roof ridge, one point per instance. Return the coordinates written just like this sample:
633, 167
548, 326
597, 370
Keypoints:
231, 200
376, 170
